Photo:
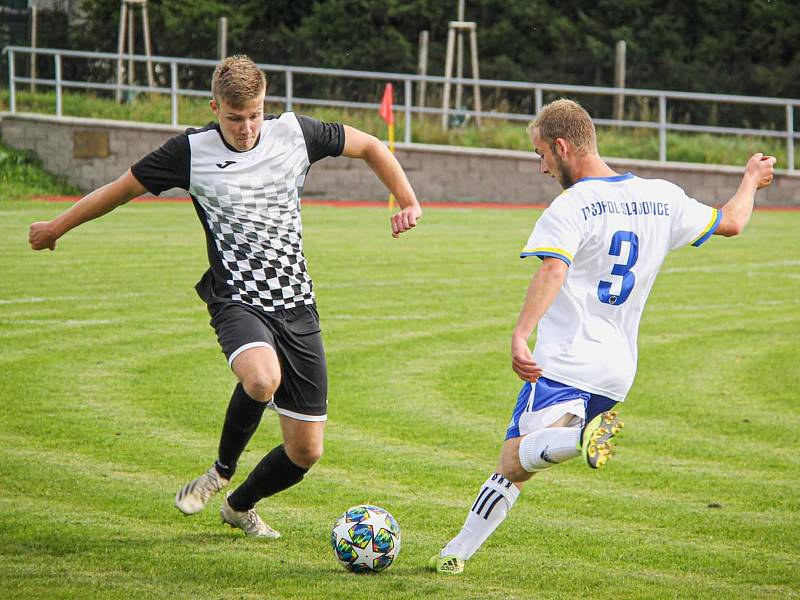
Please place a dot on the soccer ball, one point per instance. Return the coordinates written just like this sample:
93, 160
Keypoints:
365, 538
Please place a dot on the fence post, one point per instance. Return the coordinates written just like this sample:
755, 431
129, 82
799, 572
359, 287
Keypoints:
407, 98
59, 103
222, 38
173, 91
12, 90
422, 66
123, 15
448, 72
34, 31
289, 91
537, 95
662, 129
619, 80
790, 136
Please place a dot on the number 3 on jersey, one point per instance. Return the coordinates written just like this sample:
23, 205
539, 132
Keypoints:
621, 269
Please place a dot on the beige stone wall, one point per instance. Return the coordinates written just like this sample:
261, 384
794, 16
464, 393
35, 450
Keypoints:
92, 152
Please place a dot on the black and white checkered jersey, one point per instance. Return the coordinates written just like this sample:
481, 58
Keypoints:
249, 205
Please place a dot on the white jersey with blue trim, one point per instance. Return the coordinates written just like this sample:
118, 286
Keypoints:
614, 233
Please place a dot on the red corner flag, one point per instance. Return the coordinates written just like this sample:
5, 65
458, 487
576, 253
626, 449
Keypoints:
387, 114
385, 110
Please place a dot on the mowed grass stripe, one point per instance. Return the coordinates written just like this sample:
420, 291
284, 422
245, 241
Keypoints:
116, 524
106, 419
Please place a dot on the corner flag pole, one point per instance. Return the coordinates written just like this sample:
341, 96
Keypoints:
387, 114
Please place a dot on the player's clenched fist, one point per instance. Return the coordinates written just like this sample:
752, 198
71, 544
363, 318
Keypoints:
406, 219
42, 236
762, 168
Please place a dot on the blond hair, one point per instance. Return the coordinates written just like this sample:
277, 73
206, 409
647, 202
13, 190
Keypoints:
568, 120
237, 80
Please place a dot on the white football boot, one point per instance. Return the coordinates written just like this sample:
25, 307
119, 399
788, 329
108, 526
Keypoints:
248, 521
193, 497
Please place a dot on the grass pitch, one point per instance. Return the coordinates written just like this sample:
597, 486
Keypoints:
113, 392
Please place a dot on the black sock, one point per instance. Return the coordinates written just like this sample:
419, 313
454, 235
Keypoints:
273, 474
241, 422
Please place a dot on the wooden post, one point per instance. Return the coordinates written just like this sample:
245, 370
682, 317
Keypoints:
123, 17
222, 38
33, 45
148, 51
422, 66
476, 90
619, 80
453, 27
460, 57
127, 31
131, 46
448, 73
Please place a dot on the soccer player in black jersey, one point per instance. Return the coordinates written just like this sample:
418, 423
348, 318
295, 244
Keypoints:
245, 175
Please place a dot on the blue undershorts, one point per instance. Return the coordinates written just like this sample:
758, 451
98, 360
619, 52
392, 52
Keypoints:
542, 403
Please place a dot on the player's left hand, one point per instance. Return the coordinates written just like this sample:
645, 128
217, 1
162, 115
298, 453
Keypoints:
406, 219
522, 362
761, 168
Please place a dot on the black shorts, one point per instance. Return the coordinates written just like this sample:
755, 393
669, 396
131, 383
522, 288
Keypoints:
295, 336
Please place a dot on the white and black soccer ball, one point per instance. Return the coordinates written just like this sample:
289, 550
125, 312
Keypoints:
366, 538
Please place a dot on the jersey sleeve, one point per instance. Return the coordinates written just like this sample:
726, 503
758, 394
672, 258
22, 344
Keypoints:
557, 234
322, 139
693, 222
166, 167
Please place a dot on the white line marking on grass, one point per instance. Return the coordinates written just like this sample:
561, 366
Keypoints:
732, 267
23, 300
757, 304
58, 322
426, 317
690, 310
377, 283
85, 298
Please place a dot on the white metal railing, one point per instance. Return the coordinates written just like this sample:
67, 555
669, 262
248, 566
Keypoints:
662, 125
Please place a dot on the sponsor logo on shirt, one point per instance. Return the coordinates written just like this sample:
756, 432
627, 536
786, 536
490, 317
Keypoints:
227, 163
646, 208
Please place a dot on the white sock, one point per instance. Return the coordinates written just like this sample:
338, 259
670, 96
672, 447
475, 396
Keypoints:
544, 448
495, 499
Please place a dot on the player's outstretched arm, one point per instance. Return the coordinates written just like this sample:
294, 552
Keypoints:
44, 234
358, 144
543, 289
737, 211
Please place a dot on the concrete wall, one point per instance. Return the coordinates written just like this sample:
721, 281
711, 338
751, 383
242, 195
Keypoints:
91, 152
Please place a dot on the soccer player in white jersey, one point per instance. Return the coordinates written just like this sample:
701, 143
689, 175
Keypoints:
601, 242
245, 175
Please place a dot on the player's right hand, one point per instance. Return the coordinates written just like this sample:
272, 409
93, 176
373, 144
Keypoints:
761, 168
41, 236
522, 362
406, 219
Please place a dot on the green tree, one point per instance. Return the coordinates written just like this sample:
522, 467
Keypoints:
716, 46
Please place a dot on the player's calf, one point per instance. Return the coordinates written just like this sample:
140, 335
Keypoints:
496, 498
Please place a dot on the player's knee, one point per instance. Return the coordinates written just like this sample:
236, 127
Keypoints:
262, 386
511, 469
304, 454
546, 447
